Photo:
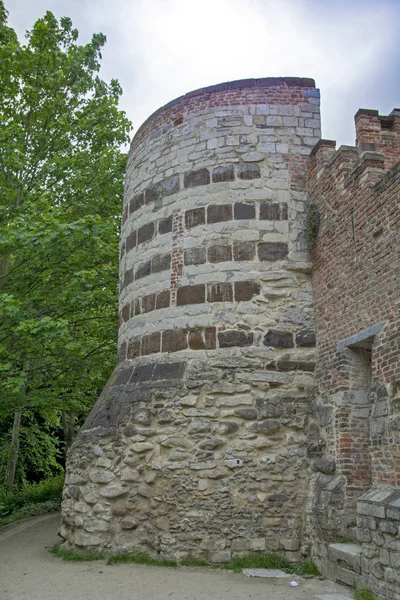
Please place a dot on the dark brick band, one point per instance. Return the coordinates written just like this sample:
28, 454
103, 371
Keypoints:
207, 338
241, 291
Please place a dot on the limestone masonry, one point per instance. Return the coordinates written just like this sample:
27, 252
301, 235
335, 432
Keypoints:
214, 436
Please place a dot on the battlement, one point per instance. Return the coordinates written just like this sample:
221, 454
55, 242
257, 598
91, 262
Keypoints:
376, 151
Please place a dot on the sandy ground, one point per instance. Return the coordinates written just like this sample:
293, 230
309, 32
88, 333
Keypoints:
29, 572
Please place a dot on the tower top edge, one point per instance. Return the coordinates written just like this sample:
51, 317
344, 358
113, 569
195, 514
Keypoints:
228, 86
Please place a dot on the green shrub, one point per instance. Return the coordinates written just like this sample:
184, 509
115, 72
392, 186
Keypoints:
31, 499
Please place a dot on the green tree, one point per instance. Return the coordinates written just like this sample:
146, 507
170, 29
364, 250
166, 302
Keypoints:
61, 185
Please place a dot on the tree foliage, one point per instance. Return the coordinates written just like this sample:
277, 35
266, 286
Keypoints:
61, 184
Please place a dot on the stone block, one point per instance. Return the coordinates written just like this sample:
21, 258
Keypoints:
191, 294
159, 263
245, 290
195, 256
196, 178
249, 171
195, 217
223, 173
217, 213
163, 299
145, 233
125, 313
231, 338
148, 303
244, 211
151, 343
219, 292
305, 338
219, 253
278, 339
244, 251
272, 251
165, 225
174, 340
371, 510
143, 270
269, 211
134, 349
136, 203
128, 277
131, 241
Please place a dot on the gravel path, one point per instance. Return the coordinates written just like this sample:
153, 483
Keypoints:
29, 572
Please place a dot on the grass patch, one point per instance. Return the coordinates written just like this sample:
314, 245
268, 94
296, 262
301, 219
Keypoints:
75, 555
307, 567
31, 500
274, 561
260, 561
364, 594
192, 561
140, 559
245, 561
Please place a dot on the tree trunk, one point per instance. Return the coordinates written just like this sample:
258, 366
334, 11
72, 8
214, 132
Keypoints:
13, 457
68, 428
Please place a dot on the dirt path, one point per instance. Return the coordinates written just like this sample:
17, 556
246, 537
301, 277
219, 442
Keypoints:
29, 572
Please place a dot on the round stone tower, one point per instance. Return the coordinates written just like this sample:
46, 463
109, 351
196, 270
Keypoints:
198, 444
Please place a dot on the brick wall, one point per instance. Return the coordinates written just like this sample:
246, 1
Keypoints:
356, 288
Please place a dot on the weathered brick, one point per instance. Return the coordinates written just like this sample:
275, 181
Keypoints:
151, 194
163, 299
131, 240
230, 338
134, 348
245, 290
249, 171
173, 370
305, 338
244, 211
145, 233
174, 340
151, 343
278, 339
219, 212
169, 186
272, 251
223, 173
219, 292
148, 303
143, 270
197, 340
128, 277
159, 263
210, 334
136, 203
165, 225
244, 251
195, 256
270, 212
191, 294
219, 253
195, 217
196, 178
125, 312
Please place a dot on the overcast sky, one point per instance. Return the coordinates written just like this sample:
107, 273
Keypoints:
161, 49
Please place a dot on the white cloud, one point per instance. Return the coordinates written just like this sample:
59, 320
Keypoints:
160, 49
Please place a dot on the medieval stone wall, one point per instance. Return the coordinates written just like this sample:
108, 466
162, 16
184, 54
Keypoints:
198, 444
